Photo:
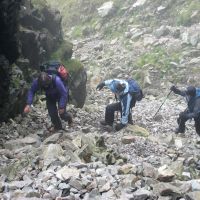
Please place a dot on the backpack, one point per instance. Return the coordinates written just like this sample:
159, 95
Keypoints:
197, 92
55, 68
135, 90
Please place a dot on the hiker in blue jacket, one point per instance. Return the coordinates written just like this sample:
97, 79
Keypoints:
192, 96
126, 101
56, 92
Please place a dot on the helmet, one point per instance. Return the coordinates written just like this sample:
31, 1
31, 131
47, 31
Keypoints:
44, 80
191, 91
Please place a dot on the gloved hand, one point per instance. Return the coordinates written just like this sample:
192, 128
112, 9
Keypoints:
61, 111
173, 88
186, 116
119, 126
190, 115
100, 85
27, 109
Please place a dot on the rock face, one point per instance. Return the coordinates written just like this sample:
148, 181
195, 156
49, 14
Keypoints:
9, 11
9, 51
33, 35
41, 30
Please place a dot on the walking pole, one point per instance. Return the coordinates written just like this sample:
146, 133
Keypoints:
117, 111
162, 103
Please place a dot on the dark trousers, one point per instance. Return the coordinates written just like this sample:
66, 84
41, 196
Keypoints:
110, 111
183, 117
53, 113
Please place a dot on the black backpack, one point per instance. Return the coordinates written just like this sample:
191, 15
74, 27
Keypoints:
56, 68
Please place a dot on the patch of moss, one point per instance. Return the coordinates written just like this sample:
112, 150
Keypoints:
73, 65
64, 52
39, 4
185, 13
77, 31
159, 58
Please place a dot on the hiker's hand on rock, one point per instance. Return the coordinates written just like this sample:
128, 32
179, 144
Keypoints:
173, 88
27, 109
100, 86
61, 111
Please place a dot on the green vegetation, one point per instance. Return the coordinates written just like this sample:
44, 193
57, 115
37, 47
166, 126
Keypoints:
39, 4
63, 54
185, 13
77, 31
73, 65
159, 58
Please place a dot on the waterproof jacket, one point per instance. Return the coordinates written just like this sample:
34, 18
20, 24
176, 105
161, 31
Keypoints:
57, 91
193, 102
124, 97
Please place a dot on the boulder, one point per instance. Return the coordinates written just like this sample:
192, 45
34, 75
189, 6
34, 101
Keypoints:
165, 174
105, 9
137, 130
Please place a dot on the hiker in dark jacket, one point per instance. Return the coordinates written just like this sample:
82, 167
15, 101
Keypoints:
56, 92
126, 101
192, 96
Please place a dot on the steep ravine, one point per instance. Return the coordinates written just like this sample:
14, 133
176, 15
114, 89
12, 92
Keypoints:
133, 164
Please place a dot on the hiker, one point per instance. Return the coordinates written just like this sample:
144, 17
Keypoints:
192, 96
127, 92
56, 92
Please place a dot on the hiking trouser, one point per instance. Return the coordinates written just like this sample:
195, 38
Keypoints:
183, 117
197, 124
110, 111
53, 113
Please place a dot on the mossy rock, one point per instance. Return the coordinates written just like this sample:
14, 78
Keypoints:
64, 52
38, 4
78, 76
137, 130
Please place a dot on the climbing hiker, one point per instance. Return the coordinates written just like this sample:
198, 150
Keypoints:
192, 96
127, 92
56, 92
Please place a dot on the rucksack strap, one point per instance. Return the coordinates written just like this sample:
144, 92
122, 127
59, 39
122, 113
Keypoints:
54, 80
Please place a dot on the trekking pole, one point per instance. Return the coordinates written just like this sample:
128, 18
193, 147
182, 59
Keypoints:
117, 111
162, 103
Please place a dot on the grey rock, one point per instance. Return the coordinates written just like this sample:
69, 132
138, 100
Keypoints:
18, 143
195, 184
141, 194
193, 195
162, 31
66, 173
165, 189
106, 9
165, 174
76, 183
52, 139
149, 170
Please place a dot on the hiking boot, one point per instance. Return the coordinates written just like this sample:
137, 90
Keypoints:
52, 129
70, 121
130, 119
104, 123
108, 128
177, 130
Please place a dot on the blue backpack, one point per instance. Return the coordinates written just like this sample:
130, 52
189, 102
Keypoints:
135, 90
197, 92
